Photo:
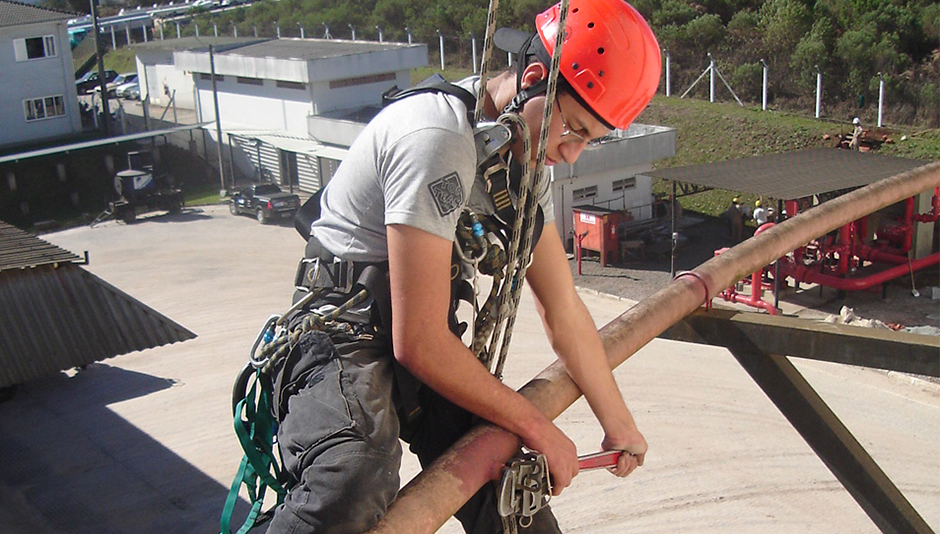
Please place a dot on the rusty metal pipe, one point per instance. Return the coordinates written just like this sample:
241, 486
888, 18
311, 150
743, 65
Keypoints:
426, 502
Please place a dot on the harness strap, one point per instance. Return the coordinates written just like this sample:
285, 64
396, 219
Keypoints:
255, 428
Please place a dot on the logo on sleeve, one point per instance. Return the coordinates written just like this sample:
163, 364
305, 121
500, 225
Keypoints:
447, 193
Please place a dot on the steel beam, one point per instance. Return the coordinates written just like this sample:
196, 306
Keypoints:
837, 343
804, 408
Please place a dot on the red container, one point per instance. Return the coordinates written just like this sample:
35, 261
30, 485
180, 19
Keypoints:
595, 229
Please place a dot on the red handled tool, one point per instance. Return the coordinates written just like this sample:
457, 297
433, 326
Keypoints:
598, 460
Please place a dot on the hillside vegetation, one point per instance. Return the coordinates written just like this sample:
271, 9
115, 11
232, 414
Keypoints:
854, 44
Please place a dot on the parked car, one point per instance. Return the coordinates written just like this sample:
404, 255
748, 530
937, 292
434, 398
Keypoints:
121, 79
123, 91
85, 84
132, 92
265, 201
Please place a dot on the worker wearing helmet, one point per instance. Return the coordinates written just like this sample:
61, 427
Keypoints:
395, 202
760, 213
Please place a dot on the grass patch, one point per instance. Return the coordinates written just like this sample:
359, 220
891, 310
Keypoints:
121, 60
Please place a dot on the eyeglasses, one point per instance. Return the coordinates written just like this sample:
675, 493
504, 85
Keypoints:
571, 135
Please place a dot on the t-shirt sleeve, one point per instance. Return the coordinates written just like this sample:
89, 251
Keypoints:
427, 179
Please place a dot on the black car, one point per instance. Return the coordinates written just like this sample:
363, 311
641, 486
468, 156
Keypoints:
265, 202
90, 80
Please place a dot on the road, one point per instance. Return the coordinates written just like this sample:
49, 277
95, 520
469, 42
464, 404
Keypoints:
143, 443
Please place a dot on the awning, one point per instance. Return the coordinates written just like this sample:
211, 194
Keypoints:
98, 142
792, 175
292, 143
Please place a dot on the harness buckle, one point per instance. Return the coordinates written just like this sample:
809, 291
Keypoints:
304, 274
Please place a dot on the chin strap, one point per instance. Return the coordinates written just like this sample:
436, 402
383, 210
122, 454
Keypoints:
524, 95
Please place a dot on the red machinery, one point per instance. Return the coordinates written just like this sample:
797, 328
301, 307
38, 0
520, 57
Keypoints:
829, 259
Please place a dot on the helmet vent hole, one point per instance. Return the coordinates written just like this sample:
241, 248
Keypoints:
600, 51
575, 10
590, 25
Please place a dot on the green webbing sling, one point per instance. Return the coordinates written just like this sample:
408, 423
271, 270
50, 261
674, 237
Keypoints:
256, 428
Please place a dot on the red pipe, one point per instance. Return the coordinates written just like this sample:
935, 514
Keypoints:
755, 299
803, 274
934, 213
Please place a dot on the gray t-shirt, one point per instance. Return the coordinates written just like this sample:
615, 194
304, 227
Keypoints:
414, 164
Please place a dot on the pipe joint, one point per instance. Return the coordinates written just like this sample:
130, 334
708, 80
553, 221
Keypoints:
701, 280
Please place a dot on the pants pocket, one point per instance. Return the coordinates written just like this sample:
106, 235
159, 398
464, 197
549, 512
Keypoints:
318, 405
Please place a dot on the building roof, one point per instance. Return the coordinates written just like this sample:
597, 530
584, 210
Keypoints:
16, 13
57, 316
306, 49
19, 250
197, 43
792, 175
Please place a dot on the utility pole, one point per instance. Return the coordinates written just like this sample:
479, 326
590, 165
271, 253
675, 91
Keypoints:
101, 81
218, 122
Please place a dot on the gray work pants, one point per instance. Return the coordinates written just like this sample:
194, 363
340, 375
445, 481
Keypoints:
339, 439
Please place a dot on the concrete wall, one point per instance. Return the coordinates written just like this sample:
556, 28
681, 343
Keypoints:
35, 78
637, 199
265, 106
154, 69
368, 94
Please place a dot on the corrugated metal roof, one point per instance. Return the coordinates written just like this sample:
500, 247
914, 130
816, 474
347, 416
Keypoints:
55, 315
16, 13
19, 249
793, 175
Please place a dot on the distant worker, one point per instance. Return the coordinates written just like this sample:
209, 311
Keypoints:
735, 220
760, 214
856, 134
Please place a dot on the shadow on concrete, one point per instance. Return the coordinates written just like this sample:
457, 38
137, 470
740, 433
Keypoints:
73, 465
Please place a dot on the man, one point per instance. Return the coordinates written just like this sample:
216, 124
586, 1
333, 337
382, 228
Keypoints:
396, 199
760, 214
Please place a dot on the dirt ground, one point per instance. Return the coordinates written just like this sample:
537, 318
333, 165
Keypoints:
638, 279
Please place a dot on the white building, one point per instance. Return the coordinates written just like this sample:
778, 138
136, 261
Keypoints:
37, 90
270, 90
159, 76
611, 175
278, 83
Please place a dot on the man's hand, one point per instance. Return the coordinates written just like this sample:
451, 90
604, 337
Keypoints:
559, 450
633, 444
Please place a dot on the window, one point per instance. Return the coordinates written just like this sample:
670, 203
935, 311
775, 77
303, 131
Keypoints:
290, 85
362, 80
250, 81
44, 108
626, 183
584, 193
207, 77
34, 47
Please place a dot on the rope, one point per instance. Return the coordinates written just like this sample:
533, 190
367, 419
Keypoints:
485, 60
531, 204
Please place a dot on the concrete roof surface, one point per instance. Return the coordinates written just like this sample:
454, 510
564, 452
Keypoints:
144, 443
292, 48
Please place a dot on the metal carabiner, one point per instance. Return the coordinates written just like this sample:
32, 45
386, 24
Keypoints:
266, 335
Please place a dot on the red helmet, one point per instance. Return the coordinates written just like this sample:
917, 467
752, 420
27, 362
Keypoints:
610, 56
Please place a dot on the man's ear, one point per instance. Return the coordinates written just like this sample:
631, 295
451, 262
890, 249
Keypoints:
533, 73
